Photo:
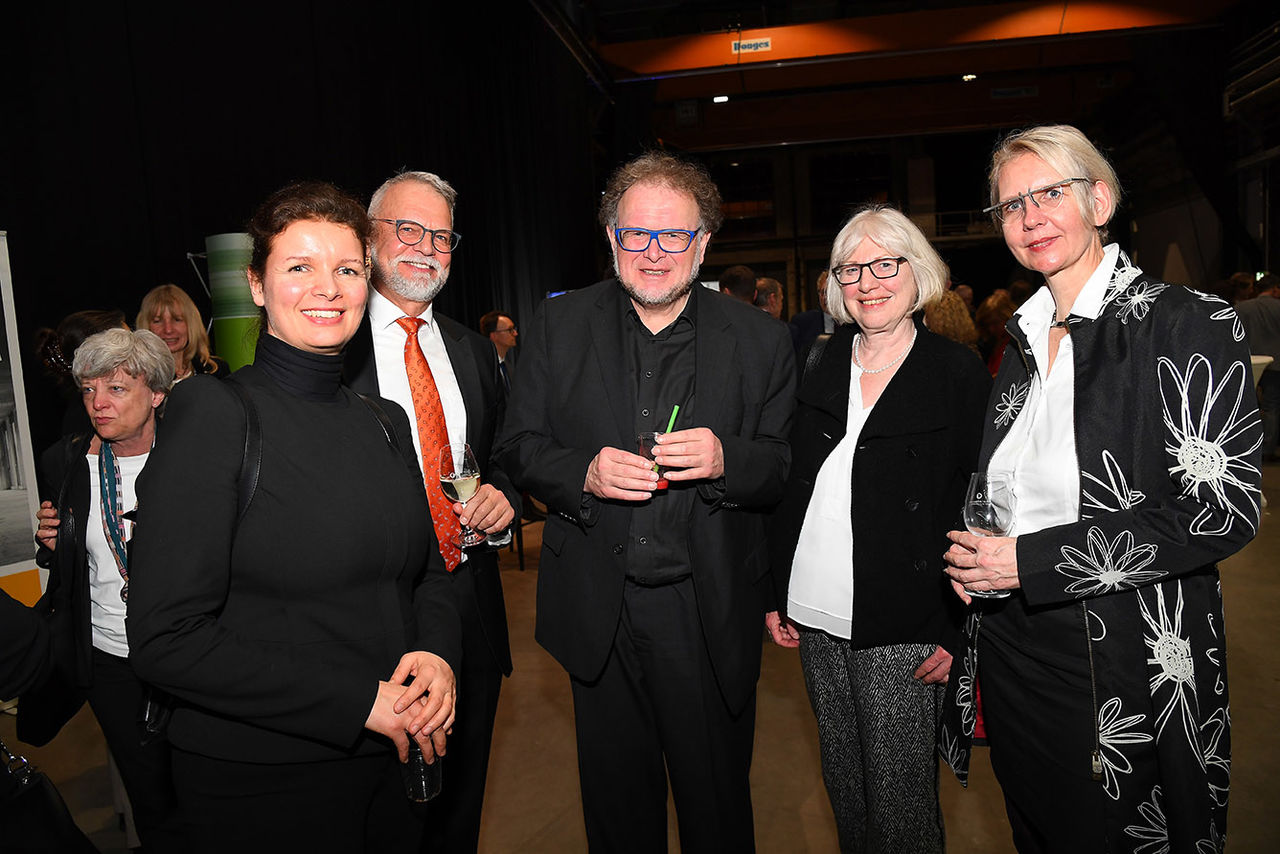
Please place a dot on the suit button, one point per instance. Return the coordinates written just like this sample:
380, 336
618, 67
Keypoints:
617, 549
644, 541
921, 564
912, 505
912, 452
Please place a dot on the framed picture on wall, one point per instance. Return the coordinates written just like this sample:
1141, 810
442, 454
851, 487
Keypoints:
18, 499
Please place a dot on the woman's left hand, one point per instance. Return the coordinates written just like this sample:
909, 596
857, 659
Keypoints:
935, 669
982, 563
433, 680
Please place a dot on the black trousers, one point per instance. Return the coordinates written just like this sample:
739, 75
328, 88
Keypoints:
453, 816
1039, 722
345, 805
116, 699
657, 710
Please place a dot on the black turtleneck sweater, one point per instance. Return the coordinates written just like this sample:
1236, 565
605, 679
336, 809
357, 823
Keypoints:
274, 633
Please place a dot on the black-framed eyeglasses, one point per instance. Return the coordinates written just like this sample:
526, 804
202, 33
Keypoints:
411, 233
881, 268
1047, 198
670, 240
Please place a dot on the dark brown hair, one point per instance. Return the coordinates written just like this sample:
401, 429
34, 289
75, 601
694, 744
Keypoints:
317, 201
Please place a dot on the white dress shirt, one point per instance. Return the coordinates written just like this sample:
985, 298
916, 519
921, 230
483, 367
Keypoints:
393, 379
1040, 448
820, 594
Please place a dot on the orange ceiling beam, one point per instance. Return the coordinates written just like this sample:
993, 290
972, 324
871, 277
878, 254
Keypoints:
909, 31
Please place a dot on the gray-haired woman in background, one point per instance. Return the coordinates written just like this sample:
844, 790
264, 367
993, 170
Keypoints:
82, 533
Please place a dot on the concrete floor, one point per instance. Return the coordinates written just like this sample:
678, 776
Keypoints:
532, 802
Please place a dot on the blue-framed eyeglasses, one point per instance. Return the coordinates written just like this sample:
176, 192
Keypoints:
411, 233
670, 240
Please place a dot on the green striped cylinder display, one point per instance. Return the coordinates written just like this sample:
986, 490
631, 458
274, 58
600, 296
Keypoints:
235, 317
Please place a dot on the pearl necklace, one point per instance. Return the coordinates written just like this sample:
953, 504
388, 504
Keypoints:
857, 339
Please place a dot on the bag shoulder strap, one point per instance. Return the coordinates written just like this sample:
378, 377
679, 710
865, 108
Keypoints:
383, 420
251, 460
815, 354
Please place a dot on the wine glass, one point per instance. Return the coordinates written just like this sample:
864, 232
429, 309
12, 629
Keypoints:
460, 480
988, 512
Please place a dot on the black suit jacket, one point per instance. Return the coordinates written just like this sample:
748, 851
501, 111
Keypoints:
574, 398
475, 365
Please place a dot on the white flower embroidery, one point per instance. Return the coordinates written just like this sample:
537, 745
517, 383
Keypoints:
1109, 566
951, 753
1112, 733
1011, 403
1172, 667
964, 691
1137, 301
1218, 765
1113, 493
1123, 274
1215, 844
1227, 313
1202, 421
1155, 833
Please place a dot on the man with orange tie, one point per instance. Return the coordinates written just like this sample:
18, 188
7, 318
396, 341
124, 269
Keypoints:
446, 378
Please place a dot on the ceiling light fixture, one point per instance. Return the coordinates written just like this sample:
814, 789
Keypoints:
968, 78
720, 99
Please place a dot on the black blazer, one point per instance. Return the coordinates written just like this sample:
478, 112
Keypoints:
574, 397
914, 457
475, 365
64, 479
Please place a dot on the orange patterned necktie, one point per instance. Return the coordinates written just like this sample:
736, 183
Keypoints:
432, 435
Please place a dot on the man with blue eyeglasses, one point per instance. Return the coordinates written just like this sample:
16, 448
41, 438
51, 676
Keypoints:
647, 582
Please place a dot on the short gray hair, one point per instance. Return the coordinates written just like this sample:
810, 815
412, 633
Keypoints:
428, 179
899, 236
138, 354
1068, 152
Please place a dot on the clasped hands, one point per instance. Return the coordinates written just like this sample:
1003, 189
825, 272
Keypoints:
693, 454
422, 710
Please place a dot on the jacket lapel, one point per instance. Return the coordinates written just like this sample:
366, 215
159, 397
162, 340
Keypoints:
359, 369
906, 404
613, 361
714, 362
465, 371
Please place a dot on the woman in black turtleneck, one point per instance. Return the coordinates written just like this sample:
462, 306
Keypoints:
285, 634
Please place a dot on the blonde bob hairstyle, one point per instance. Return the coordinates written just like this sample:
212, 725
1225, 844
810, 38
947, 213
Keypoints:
887, 227
139, 354
175, 300
1069, 153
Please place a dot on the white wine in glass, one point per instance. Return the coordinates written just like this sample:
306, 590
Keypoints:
459, 481
988, 512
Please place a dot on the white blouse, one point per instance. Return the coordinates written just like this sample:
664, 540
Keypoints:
1040, 448
820, 595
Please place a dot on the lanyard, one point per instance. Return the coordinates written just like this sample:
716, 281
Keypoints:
112, 513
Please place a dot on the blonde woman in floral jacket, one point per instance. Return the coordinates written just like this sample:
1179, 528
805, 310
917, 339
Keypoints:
1125, 411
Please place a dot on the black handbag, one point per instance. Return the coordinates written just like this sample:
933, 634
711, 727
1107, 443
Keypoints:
33, 817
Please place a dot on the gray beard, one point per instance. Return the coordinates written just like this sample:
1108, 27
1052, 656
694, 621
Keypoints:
671, 295
410, 289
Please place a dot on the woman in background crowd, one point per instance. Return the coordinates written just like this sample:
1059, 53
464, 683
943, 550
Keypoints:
302, 616
1124, 410
885, 436
168, 312
83, 532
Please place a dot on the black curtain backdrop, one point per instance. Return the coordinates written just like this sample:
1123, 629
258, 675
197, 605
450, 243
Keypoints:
130, 131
